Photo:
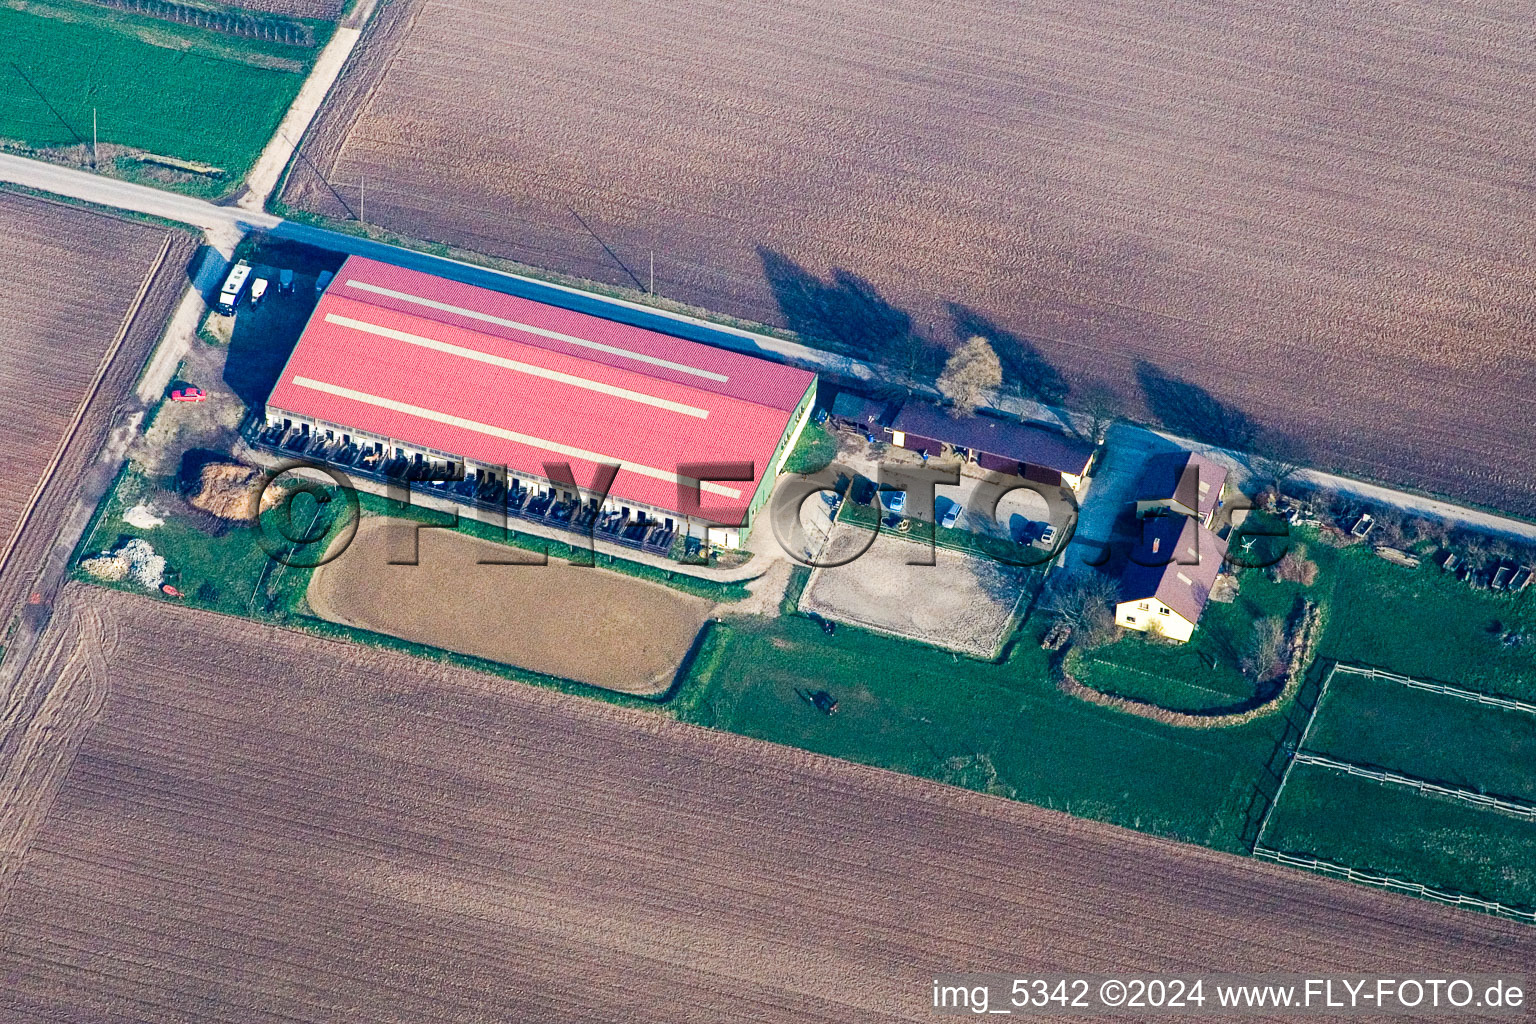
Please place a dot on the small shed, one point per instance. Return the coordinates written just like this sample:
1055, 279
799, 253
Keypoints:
859, 412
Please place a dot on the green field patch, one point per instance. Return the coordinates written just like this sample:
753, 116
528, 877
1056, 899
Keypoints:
153, 86
1433, 736
813, 451
215, 564
1208, 672
1179, 677
1426, 624
1004, 727
1395, 831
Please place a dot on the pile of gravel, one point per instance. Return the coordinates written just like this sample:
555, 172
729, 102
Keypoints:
133, 559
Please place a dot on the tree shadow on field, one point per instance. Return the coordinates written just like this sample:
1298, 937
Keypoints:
1191, 411
848, 315
1025, 370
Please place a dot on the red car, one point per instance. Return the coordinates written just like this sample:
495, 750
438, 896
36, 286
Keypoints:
189, 395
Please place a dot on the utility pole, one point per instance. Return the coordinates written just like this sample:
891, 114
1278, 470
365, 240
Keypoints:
93, 138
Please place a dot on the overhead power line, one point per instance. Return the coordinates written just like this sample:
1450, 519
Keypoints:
51, 109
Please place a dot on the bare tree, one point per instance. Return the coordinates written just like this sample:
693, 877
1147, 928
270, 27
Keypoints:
1318, 502
1295, 567
1390, 528
1265, 647
972, 372
1277, 460
1473, 546
1431, 529
1085, 602
1338, 508
1097, 409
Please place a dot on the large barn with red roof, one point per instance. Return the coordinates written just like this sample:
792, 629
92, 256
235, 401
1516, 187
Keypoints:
414, 370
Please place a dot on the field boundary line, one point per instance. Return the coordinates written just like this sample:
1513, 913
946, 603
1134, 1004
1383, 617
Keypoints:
1153, 675
1518, 808
46, 476
1290, 762
1508, 703
1458, 899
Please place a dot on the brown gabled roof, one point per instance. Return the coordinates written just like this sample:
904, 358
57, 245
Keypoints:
1192, 480
1007, 439
1176, 563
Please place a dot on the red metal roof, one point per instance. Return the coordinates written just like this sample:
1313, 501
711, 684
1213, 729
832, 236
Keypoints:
503, 380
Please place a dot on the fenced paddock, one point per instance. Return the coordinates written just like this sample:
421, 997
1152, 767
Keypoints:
459, 593
961, 602
1414, 786
1518, 808
1488, 699
1448, 737
1455, 899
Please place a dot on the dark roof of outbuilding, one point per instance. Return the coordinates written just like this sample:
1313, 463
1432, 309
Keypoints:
859, 409
1008, 439
1177, 563
1192, 480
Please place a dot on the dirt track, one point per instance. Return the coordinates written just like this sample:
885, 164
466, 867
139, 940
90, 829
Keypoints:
85, 298
586, 624
267, 826
1306, 217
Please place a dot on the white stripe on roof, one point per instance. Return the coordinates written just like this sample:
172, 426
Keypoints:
488, 430
542, 332
512, 364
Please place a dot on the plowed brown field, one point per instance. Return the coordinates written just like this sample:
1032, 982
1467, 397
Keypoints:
1308, 218
84, 298
263, 825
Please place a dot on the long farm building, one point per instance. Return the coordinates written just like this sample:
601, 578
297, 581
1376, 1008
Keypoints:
503, 399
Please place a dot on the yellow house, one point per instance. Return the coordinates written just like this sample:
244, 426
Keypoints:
1168, 581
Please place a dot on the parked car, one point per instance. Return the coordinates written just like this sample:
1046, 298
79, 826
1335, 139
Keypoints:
284, 281
258, 290
323, 280
1047, 535
894, 501
189, 394
951, 515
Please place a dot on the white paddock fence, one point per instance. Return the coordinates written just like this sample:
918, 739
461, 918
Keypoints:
1455, 899
1508, 703
1518, 808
